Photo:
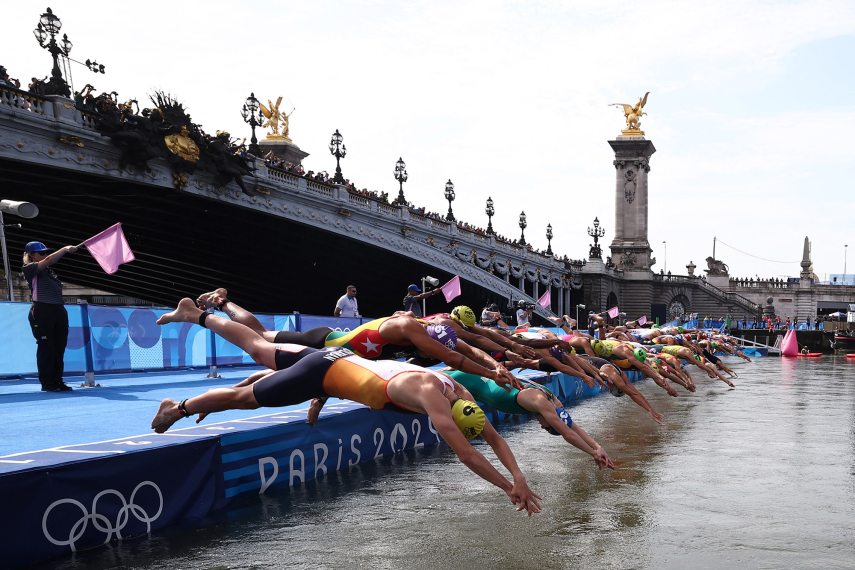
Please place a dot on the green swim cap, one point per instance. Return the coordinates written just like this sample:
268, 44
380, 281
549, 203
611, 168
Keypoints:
640, 354
463, 315
679, 329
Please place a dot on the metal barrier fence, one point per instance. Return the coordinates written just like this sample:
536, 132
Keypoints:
106, 339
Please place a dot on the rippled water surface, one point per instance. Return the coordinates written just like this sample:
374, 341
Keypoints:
762, 476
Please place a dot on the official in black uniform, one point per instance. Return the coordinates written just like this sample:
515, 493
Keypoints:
48, 317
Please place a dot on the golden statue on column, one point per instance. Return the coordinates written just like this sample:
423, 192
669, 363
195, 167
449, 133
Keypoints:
276, 120
633, 115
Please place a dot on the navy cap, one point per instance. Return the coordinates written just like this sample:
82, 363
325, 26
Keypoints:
35, 247
564, 416
414, 287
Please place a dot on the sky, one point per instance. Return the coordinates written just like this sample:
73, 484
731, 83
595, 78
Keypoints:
751, 106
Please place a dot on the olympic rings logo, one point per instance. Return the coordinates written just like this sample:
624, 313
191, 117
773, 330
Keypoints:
101, 522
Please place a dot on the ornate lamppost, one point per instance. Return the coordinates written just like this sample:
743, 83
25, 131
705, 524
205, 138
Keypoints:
523, 226
401, 177
490, 211
665, 265
549, 239
449, 195
46, 32
49, 25
252, 116
596, 233
339, 151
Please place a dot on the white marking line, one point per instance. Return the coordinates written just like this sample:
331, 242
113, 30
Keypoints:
60, 450
18, 461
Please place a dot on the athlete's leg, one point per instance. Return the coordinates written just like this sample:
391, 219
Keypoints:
217, 400
218, 298
240, 335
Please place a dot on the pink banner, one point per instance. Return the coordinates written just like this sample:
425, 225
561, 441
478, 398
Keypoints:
546, 299
642, 320
451, 290
110, 248
614, 312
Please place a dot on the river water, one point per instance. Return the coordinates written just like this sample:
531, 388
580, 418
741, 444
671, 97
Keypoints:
762, 476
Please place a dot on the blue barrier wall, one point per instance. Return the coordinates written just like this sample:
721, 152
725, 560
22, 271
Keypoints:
128, 338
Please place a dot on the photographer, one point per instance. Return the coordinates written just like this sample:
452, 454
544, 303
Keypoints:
524, 312
491, 317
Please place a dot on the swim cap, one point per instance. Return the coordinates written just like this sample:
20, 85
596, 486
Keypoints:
469, 417
556, 352
564, 416
443, 334
615, 391
680, 329
463, 315
640, 354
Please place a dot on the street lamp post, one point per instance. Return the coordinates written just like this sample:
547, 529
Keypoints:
252, 116
449, 195
48, 27
665, 268
401, 177
339, 151
523, 226
845, 251
596, 233
23, 210
490, 211
549, 239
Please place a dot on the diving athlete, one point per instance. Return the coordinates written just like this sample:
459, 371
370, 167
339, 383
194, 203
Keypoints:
307, 373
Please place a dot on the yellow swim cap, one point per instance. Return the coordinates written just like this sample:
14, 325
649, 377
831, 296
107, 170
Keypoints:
469, 417
463, 315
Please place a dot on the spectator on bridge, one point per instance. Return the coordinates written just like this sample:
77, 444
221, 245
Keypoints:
48, 317
413, 298
346, 306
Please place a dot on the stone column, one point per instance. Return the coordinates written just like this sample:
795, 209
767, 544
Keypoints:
630, 247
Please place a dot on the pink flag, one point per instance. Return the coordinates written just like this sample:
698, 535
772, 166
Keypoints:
614, 312
110, 248
546, 299
451, 290
642, 320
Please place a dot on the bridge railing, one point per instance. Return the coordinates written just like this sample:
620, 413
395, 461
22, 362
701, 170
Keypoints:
25, 101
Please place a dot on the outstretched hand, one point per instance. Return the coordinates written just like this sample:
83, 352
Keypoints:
603, 460
524, 498
505, 379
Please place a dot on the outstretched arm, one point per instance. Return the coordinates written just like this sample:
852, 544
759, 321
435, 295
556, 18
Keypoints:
437, 408
56, 256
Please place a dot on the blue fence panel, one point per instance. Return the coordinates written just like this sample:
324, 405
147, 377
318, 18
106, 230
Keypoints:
129, 338
17, 345
308, 322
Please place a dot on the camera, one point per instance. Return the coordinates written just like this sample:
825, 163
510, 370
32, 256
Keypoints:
523, 304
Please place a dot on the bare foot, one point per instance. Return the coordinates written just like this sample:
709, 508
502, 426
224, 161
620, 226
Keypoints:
213, 299
167, 414
315, 410
185, 312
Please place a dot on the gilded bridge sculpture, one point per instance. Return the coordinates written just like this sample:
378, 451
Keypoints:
633, 114
274, 117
